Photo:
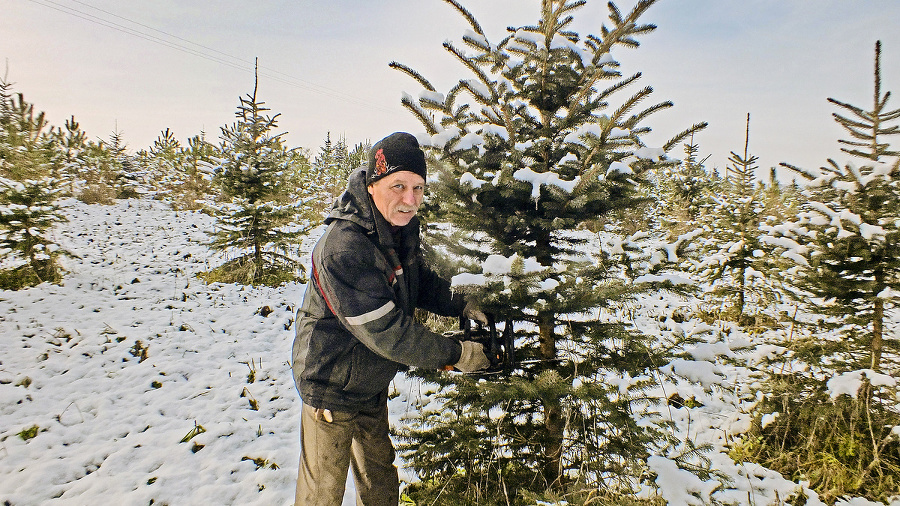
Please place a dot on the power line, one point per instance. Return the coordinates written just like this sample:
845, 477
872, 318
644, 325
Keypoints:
247, 62
206, 53
121, 28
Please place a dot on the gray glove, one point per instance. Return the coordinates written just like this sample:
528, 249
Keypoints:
473, 312
472, 358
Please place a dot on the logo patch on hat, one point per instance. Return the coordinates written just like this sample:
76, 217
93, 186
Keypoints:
380, 163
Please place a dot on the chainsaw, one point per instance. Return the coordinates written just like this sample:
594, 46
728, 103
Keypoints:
500, 349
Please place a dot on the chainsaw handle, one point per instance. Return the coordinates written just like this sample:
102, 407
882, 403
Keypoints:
494, 351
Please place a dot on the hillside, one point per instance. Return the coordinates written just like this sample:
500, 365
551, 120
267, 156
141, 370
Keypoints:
135, 380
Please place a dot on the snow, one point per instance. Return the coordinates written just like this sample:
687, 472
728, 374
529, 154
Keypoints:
468, 141
652, 154
532, 37
478, 87
619, 133
697, 371
440, 139
500, 265
477, 38
583, 130
432, 96
658, 278
848, 383
491, 129
469, 179
110, 424
888, 293
680, 488
619, 167
137, 375
869, 232
538, 179
768, 419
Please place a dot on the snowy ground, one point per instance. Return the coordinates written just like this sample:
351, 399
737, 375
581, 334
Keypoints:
121, 365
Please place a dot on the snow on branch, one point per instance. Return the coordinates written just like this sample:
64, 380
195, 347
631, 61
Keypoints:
537, 180
849, 383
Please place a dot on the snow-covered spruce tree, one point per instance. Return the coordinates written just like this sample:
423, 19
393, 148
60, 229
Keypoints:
262, 218
533, 151
182, 175
729, 256
358, 155
684, 191
99, 174
190, 183
160, 165
72, 142
28, 211
28, 194
834, 395
123, 172
333, 165
341, 170
325, 172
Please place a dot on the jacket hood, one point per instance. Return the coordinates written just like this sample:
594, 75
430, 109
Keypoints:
354, 204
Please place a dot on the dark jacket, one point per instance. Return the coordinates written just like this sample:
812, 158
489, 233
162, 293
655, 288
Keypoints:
355, 330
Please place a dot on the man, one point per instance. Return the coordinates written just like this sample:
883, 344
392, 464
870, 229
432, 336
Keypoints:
355, 330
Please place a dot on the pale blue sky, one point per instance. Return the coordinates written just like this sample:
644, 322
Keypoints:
325, 65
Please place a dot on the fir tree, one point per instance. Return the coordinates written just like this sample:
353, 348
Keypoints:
99, 175
731, 258
341, 167
191, 184
263, 218
359, 155
72, 142
28, 193
28, 212
332, 168
686, 190
127, 177
850, 226
162, 164
846, 246
325, 170
532, 153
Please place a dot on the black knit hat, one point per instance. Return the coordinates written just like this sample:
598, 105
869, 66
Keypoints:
396, 152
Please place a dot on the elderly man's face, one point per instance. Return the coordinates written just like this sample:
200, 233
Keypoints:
398, 196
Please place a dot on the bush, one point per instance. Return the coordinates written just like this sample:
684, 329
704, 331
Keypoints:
843, 446
98, 193
243, 270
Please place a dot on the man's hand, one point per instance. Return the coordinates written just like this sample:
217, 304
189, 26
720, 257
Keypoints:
324, 414
473, 312
472, 358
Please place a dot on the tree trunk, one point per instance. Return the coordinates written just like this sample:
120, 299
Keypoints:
257, 248
553, 421
878, 323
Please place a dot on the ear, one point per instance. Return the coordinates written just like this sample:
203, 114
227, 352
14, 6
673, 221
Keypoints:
371, 190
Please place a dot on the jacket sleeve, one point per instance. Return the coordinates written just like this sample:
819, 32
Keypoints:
362, 299
435, 294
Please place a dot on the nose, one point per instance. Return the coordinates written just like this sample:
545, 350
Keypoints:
409, 197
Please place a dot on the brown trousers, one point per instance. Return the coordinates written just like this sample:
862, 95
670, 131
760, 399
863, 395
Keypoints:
360, 441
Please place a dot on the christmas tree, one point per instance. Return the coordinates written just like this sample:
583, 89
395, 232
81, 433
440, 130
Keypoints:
532, 152
29, 159
729, 254
263, 217
833, 398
